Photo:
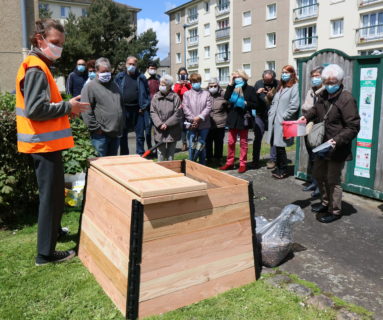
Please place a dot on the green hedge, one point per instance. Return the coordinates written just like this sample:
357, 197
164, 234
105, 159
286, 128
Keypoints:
18, 187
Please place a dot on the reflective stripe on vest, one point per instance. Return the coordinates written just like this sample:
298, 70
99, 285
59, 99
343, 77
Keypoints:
43, 137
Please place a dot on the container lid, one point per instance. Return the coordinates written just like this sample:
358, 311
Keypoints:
145, 177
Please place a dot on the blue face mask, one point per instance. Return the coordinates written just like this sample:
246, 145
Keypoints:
316, 82
81, 68
332, 88
131, 69
285, 77
92, 75
239, 81
196, 86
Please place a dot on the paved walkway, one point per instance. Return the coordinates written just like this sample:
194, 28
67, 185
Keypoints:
344, 257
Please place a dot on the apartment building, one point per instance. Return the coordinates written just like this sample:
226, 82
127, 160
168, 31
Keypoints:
352, 26
261, 37
201, 38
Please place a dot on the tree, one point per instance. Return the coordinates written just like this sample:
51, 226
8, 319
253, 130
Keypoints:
44, 13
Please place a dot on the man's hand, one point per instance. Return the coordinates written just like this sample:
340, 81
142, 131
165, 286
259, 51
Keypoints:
333, 143
302, 119
163, 127
261, 90
141, 110
77, 106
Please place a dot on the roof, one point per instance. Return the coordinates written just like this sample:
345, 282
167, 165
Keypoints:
169, 12
128, 7
89, 2
165, 62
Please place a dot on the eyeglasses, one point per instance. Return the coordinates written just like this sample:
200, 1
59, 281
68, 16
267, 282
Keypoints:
213, 86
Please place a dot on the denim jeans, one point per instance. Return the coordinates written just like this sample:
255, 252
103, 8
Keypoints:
105, 145
195, 154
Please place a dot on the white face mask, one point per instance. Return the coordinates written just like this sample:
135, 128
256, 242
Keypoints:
51, 51
163, 89
213, 90
104, 77
152, 72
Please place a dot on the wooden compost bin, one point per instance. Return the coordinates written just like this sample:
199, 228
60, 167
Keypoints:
159, 236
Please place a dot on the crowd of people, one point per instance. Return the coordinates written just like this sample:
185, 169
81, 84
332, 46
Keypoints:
169, 111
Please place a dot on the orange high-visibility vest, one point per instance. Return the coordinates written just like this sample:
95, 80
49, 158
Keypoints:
40, 136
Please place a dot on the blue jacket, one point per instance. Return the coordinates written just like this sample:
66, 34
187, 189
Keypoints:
143, 88
75, 82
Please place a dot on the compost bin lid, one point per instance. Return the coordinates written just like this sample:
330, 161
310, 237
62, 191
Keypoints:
145, 177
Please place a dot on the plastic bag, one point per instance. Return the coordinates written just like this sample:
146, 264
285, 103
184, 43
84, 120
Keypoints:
74, 192
276, 236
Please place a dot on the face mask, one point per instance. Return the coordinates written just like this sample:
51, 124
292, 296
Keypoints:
332, 88
196, 86
131, 69
92, 75
81, 68
152, 72
104, 77
52, 51
163, 89
239, 81
286, 77
213, 90
183, 77
316, 82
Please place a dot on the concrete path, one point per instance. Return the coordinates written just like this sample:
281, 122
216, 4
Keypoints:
344, 257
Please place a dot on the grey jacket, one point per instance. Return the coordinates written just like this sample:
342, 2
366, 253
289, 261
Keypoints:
106, 107
218, 114
37, 94
284, 108
166, 109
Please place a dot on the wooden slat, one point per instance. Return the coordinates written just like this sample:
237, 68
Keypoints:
195, 221
195, 293
154, 177
174, 165
186, 251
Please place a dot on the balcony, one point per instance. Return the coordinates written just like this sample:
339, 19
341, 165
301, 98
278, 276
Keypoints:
305, 44
192, 62
369, 34
363, 3
192, 41
192, 19
222, 8
222, 57
222, 33
306, 12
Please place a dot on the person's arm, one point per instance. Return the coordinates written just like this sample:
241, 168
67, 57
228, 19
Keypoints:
251, 101
143, 88
228, 92
69, 88
176, 117
308, 103
154, 113
293, 103
88, 116
351, 120
37, 98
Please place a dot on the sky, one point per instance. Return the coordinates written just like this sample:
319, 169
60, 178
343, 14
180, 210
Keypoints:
152, 15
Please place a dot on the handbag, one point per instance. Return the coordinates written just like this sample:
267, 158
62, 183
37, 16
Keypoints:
316, 136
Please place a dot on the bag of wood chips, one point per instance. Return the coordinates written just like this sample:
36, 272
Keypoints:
276, 236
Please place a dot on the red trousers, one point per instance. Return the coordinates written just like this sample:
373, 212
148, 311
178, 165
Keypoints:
233, 133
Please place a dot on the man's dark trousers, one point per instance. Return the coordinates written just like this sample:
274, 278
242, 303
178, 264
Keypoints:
50, 179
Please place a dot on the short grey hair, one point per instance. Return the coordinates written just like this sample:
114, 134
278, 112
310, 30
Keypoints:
131, 57
167, 79
213, 80
103, 62
333, 71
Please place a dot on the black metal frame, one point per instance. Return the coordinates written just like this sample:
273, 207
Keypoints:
256, 251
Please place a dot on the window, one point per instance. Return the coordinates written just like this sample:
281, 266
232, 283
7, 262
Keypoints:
246, 18
271, 40
223, 54
207, 52
193, 58
306, 9
271, 11
247, 69
84, 12
193, 14
270, 65
207, 74
207, 29
223, 75
223, 5
306, 38
246, 45
193, 36
372, 26
163, 72
223, 24
65, 12
178, 57
178, 17
178, 37
207, 6
44, 6
337, 28
371, 51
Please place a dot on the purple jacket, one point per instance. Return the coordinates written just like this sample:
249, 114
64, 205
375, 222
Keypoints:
198, 104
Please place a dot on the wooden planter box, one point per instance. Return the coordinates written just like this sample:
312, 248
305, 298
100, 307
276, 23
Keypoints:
159, 236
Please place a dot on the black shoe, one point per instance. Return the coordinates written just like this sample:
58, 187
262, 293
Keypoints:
63, 232
253, 165
310, 187
55, 257
319, 209
329, 218
316, 193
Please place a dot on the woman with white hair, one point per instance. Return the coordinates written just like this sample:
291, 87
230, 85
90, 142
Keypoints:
341, 127
242, 99
167, 116
218, 117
